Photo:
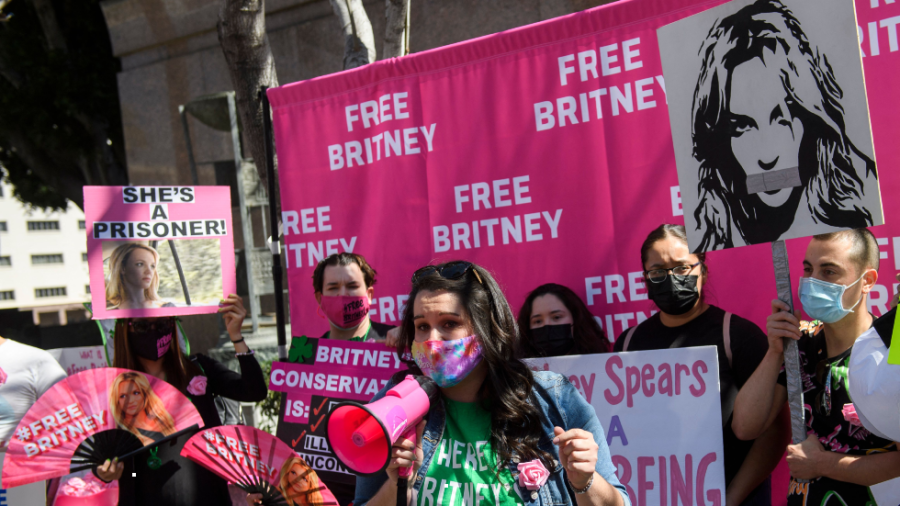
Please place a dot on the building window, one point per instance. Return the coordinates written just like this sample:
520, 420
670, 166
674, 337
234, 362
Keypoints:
43, 225
87, 289
84, 257
5, 261
7, 295
46, 259
50, 292
2, 226
81, 225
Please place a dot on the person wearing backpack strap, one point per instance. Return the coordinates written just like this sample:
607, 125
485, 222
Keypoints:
675, 280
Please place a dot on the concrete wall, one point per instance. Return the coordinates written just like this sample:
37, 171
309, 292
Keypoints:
170, 54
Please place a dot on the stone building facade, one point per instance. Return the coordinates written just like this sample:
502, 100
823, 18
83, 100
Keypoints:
170, 54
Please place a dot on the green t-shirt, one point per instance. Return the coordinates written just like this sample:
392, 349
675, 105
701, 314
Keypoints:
462, 471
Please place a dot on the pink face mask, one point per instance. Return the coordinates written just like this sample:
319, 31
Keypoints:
345, 311
448, 362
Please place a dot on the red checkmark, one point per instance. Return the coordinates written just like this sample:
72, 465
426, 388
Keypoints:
316, 411
295, 441
315, 425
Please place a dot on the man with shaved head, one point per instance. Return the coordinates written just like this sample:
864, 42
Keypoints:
840, 459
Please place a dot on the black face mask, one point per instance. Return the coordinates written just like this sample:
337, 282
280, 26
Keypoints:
676, 295
553, 340
151, 339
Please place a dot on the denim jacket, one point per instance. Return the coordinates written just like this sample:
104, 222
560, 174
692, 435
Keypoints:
561, 405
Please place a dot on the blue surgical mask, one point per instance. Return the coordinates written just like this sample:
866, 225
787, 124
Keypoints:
824, 301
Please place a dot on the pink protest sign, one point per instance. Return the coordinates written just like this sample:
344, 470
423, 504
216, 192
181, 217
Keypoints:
543, 153
158, 250
330, 372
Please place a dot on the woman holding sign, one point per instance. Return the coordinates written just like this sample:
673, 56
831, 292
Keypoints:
150, 345
462, 334
675, 280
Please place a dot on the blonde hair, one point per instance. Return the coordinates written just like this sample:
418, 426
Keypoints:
313, 495
153, 406
115, 285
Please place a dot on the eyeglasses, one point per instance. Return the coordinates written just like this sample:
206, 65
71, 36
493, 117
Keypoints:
660, 275
452, 270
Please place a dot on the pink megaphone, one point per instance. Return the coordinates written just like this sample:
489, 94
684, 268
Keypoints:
361, 435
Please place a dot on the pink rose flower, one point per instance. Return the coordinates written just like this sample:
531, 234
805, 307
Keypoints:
532, 475
197, 386
2, 377
850, 415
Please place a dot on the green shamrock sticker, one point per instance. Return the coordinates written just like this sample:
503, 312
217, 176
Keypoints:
301, 350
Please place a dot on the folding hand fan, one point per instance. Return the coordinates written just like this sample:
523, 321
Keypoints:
258, 463
93, 416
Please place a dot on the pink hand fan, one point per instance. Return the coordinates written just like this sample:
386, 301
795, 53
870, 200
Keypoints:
258, 463
93, 416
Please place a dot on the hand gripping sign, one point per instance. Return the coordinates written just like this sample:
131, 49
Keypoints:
159, 250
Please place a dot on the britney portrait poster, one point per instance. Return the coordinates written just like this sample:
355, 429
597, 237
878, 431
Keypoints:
770, 122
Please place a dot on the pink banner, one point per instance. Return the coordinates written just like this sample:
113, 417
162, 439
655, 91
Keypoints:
158, 250
543, 153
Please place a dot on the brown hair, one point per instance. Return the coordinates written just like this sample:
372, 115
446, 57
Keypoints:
179, 369
589, 337
665, 231
508, 388
343, 259
863, 251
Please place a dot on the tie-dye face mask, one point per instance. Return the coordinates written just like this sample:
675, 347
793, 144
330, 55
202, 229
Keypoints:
448, 362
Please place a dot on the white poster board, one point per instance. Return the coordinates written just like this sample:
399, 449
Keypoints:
662, 417
770, 122
75, 360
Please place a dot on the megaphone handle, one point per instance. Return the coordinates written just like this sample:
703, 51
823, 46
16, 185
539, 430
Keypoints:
410, 434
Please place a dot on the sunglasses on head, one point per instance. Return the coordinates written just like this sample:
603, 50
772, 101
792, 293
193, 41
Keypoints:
452, 270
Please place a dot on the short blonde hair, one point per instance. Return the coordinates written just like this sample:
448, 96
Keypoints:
115, 285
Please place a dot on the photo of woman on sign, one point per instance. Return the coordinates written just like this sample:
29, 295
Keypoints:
133, 278
137, 409
767, 100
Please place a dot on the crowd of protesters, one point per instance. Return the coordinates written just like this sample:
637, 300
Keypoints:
460, 330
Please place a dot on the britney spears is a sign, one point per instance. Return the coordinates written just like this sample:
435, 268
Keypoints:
158, 250
543, 153
641, 399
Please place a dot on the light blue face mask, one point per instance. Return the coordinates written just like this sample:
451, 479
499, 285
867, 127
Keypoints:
824, 301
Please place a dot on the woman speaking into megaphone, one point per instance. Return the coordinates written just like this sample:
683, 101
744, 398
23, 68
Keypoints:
500, 432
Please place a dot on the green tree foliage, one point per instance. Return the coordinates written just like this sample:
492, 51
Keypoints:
60, 123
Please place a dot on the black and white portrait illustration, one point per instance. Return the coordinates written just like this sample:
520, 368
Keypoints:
770, 122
